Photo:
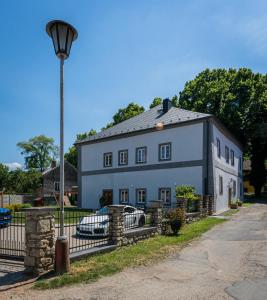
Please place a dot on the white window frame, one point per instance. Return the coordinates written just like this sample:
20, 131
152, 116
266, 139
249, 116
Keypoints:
141, 192
163, 192
165, 154
123, 157
124, 196
108, 159
141, 155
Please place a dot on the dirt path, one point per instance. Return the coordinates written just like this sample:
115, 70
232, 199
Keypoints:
228, 262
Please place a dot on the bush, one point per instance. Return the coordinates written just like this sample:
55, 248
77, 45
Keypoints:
18, 207
177, 219
233, 205
239, 203
183, 190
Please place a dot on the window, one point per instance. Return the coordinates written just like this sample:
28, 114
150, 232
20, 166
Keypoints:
123, 157
141, 155
165, 196
57, 186
220, 185
124, 196
141, 196
108, 159
240, 164
227, 154
218, 148
165, 151
234, 188
232, 157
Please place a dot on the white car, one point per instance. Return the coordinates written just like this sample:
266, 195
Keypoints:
97, 225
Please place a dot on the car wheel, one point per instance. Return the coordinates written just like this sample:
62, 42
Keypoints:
142, 221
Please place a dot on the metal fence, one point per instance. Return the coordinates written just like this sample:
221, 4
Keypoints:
12, 234
136, 218
84, 229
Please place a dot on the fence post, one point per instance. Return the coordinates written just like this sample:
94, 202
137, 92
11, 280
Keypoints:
39, 240
116, 224
200, 205
181, 203
156, 214
210, 205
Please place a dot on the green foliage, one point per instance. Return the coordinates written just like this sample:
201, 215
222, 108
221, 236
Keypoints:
239, 99
155, 102
186, 191
177, 219
39, 151
4, 173
144, 252
128, 112
18, 207
20, 181
72, 155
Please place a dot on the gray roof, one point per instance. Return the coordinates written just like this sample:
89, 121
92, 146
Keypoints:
147, 120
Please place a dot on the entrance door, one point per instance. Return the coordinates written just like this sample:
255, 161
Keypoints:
108, 197
229, 196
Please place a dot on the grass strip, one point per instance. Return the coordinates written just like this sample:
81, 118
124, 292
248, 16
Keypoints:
143, 253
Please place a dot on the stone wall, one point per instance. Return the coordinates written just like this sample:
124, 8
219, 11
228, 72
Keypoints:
117, 234
39, 240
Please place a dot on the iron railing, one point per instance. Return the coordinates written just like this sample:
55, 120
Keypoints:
12, 234
84, 229
136, 218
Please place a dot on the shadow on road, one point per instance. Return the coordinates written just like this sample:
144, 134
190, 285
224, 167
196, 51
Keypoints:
12, 273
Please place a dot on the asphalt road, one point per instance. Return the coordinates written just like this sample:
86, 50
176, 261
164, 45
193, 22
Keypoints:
228, 262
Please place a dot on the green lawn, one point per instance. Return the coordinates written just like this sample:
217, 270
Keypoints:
143, 253
72, 216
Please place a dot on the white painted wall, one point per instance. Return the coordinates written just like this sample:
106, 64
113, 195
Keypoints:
187, 144
227, 171
152, 180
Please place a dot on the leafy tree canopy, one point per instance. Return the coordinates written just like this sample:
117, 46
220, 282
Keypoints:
128, 112
239, 99
38, 151
4, 172
155, 102
19, 181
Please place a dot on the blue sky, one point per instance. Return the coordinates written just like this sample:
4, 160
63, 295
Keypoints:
126, 51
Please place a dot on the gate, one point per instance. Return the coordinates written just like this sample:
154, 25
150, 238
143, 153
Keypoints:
84, 229
12, 235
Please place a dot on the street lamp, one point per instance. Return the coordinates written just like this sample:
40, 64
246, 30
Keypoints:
62, 34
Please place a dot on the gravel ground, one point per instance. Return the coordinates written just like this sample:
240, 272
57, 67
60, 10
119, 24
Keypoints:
228, 262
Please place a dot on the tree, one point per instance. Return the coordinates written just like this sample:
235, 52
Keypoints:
4, 174
20, 181
239, 99
128, 112
72, 155
156, 101
39, 151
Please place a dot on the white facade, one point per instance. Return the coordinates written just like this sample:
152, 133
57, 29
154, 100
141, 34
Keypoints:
189, 164
231, 172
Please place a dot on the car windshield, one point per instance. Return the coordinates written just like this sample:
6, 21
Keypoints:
102, 211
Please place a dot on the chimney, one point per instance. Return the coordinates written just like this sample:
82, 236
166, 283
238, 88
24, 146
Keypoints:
167, 104
53, 164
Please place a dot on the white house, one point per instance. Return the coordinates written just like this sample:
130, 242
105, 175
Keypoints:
146, 157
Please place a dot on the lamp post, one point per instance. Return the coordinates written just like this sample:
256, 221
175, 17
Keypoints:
62, 34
